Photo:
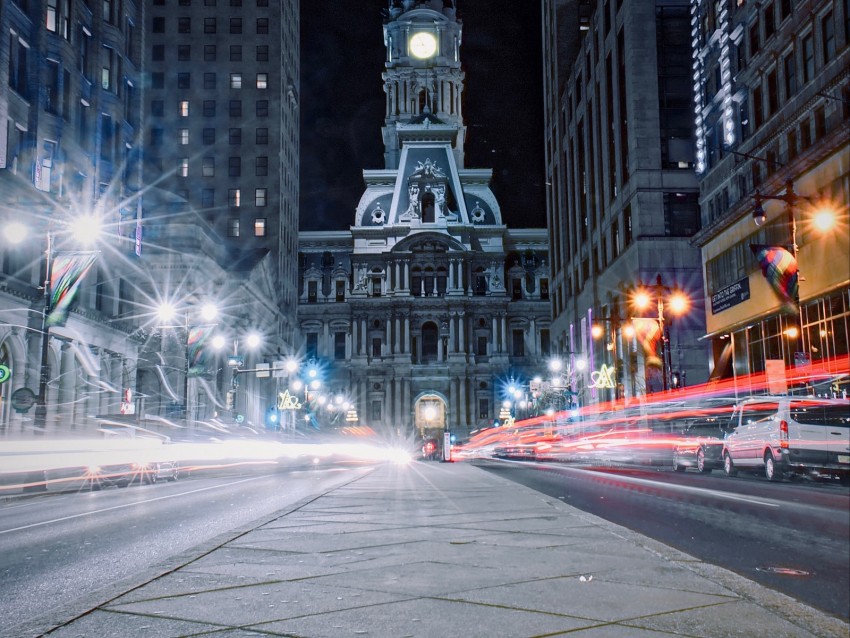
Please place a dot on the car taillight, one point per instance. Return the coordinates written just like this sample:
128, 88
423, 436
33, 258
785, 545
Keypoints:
783, 434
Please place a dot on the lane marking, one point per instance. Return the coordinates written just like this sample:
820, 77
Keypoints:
683, 488
124, 505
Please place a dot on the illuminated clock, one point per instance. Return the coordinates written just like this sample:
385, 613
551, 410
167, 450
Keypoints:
423, 45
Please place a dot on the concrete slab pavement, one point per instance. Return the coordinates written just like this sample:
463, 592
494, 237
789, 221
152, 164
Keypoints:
446, 549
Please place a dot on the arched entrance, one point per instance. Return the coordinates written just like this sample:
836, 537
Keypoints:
429, 415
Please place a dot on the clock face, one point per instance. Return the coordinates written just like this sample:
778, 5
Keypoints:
423, 45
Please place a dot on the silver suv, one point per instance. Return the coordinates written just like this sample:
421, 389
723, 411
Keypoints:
784, 435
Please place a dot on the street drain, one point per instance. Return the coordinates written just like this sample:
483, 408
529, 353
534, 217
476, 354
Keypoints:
783, 571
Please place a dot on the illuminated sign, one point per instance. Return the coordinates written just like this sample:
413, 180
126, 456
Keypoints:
603, 378
286, 401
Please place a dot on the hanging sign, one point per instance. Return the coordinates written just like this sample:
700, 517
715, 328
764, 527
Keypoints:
5, 373
603, 378
286, 401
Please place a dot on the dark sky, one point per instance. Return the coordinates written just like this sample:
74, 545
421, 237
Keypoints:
342, 105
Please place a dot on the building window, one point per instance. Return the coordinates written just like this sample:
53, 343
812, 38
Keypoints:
234, 166
158, 52
208, 167
234, 136
262, 137
236, 25
157, 135
312, 291
183, 136
233, 227
184, 81
209, 80
681, 214
209, 25
235, 108
262, 80
183, 108
262, 108
235, 80
481, 346
184, 52
209, 108
184, 25
260, 227
518, 338
157, 80
207, 198
376, 347
235, 52
311, 347
544, 289
790, 75
545, 342
234, 198
183, 167
158, 25
260, 197
261, 166
808, 58
340, 290
375, 412
339, 346
828, 30
516, 289
263, 53
262, 26
209, 53
484, 409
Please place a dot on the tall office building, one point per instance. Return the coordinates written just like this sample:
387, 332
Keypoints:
772, 114
622, 198
222, 170
429, 305
222, 130
70, 80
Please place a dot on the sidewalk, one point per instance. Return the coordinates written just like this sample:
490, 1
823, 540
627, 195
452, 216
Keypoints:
445, 549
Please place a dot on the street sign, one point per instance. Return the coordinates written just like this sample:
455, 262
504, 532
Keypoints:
263, 370
278, 369
235, 361
5, 373
23, 399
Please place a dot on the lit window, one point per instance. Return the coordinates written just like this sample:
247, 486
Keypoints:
234, 197
260, 227
184, 136
260, 197
183, 167
235, 80
233, 227
184, 108
262, 80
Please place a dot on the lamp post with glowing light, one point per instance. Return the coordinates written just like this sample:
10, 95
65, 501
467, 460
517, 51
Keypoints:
86, 231
823, 220
168, 313
665, 298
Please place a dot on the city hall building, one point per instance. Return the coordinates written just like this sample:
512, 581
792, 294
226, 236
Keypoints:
423, 310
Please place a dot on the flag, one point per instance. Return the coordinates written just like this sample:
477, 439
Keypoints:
66, 271
779, 267
648, 333
195, 342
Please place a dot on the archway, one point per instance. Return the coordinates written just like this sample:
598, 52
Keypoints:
429, 415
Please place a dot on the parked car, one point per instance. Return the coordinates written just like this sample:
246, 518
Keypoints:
700, 445
789, 435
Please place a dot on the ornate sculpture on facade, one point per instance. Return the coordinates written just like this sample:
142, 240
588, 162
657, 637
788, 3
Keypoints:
379, 215
477, 213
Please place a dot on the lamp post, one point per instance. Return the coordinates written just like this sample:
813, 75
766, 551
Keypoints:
678, 303
86, 230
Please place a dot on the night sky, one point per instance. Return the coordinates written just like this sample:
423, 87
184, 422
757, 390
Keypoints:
342, 105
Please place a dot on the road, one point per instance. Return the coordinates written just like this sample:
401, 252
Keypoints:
791, 537
61, 554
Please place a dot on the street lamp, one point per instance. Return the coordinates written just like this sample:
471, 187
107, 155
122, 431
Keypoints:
85, 230
677, 303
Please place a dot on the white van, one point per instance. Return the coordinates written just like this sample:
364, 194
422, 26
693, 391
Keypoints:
783, 435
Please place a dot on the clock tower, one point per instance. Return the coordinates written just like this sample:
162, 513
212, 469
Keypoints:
423, 80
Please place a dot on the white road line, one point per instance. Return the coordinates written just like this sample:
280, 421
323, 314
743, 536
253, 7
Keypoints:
123, 505
682, 488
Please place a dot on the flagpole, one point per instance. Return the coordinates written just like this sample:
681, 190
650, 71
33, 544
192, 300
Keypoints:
40, 420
